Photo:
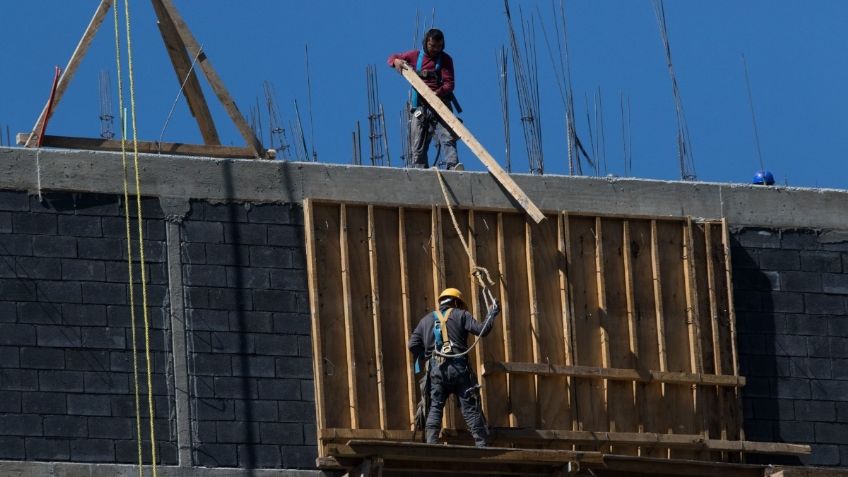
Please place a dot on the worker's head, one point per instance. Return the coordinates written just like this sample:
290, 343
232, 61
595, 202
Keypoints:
451, 297
434, 42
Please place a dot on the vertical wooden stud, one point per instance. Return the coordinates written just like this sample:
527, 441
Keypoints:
348, 319
375, 313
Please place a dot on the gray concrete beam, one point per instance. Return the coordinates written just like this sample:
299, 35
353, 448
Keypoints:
271, 181
69, 469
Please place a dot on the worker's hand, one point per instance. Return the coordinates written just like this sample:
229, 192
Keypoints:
399, 64
494, 311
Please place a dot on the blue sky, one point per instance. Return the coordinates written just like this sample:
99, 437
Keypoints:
794, 49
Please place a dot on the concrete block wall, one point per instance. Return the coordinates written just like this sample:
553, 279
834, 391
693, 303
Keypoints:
248, 327
791, 297
66, 371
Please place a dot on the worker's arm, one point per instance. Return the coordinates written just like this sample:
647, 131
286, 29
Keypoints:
416, 341
448, 77
481, 329
397, 59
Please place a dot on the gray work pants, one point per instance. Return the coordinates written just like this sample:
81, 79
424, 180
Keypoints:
454, 377
424, 124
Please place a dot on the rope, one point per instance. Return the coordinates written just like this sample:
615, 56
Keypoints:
481, 274
139, 221
177, 99
130, 274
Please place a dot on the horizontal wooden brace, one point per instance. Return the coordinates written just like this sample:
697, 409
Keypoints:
613, 374
144, 147
544, 437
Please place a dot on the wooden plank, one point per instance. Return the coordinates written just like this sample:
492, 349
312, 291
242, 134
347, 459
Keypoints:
506, 313
615, 320
591, 402
603, 321
533, 304
587, 438
522, 389
412, 389
660, 419
349, 327
613, 374
548, 269
170, 148
214, 80
486, 250
567, 303
328, 318
463, 133
314, 307
693, 319
627, 248
186, 76
71, 68
377, 324
735, 414
718, 421
477, 308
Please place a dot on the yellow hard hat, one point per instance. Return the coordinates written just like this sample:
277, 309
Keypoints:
451, 293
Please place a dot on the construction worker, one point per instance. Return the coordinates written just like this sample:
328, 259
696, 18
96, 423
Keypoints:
441, 340
435, 67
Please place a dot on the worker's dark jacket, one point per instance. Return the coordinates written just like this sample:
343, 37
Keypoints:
459, 324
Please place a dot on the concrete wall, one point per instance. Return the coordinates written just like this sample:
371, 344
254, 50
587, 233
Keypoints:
229, 309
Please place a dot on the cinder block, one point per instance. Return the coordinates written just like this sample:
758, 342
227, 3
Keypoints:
97, 204
791, 388
805, 325
838, 347
298, 258
811, 368
237, 432
230, 299
58, 336
746, 300
104, 293
270, 213
34, 224
285, 235
84, 270
229, 212
61, 381
757, 237
193, 253
258, 456
304, 346
10, 402
820, 261
828, 390
39, 313
206, 232
241, 277
822, 454
840, 369
208, 320
65, 426
215, 410
744, 258
12, 448
21, 424
842, 411
101, 248
245, 234
205, 276
251, 321
801, 281
92, 450
782, 260
279, 389
227, 254
307, 390
276, 345
17, 244
795, 431
89, 405
300, 457
274, 300
831, 433
270, 257
215, 455
84, 315
819, 304
47, 449
80, 226
294, 368
58, 291
19, 379
786, 302
86, 360
39, 268
835, 283
816, 411
235, 388
799, 239
42, 358
14, 200
111, 427
838, 325
5, 222
54, 246
290, 279
256, 410
44, 403
17, 290
12, 334
789, 345
296, 411
755, 387
8, 312
234, 343
253, 366
292, 323
9, 357
282, 433
106, 383
212, 364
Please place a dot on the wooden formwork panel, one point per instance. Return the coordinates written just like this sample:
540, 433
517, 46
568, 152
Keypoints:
616, 333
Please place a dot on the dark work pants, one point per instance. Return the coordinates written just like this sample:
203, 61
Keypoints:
454, 377
424, 125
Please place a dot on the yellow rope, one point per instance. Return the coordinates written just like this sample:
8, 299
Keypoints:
129, 238
139, 220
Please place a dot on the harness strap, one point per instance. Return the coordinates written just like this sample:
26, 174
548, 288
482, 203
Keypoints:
441, 334
418, 70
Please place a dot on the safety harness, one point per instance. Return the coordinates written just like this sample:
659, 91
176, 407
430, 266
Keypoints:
418, 70
440, 333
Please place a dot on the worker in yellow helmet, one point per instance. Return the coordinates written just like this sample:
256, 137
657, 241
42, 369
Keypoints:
441, 340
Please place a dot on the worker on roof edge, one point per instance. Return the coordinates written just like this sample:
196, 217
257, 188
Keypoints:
435, 67
445, 333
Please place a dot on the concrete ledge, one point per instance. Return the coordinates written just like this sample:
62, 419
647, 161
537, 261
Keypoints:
271, 181
68, 469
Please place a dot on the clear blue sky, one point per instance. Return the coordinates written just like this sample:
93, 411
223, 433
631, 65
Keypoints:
795, 51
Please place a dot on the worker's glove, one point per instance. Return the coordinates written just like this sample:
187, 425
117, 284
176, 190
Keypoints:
399, 64
494, 311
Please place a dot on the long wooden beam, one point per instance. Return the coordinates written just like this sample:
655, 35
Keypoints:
463, 133
144, 147
615, 374
70, 68
213, 79
186, 75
